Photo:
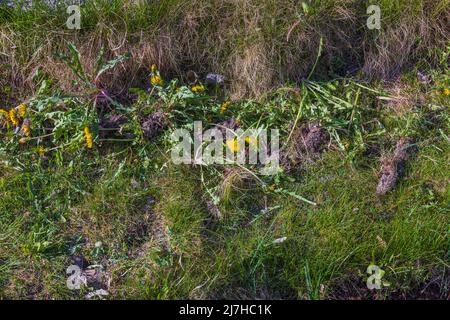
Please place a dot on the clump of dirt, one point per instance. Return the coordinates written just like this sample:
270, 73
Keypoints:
97, 277
393, 168
92, 276
424, 78
309, 142
113, 124
313, 139
114, 121
154, 124
229, 125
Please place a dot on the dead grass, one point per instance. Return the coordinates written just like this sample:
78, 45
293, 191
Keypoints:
257, 45
401, 45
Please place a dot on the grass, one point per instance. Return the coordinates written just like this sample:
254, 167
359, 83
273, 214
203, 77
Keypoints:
323, 244
148, 222
258, 45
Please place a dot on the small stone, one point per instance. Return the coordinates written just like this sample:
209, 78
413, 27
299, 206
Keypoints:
214, 79
279, 240
424, 78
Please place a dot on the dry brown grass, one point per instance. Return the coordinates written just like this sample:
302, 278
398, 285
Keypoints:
257, 45
402, 99
399, 46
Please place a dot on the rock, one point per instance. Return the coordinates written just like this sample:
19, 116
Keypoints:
424, 78
97, 293
214, 79
191, 77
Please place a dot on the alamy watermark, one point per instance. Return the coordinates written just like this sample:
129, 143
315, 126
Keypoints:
373, 21
375, 279
74, 19
225, 146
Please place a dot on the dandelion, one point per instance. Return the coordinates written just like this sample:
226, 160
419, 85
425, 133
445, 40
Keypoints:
13, 117
233, 145
156, 80
88, 136
446, 92
251, 141
224, 107
41, 151
198, 88
22, 109
26, 130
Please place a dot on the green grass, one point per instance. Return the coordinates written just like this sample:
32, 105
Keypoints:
323, 244
52, 211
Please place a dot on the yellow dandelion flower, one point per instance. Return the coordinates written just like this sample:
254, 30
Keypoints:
251, 141
446, 92
198, 88
22, 110
13, 117
233, 145
88, 136
26, 130
224, 107
41, 151
156, 80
